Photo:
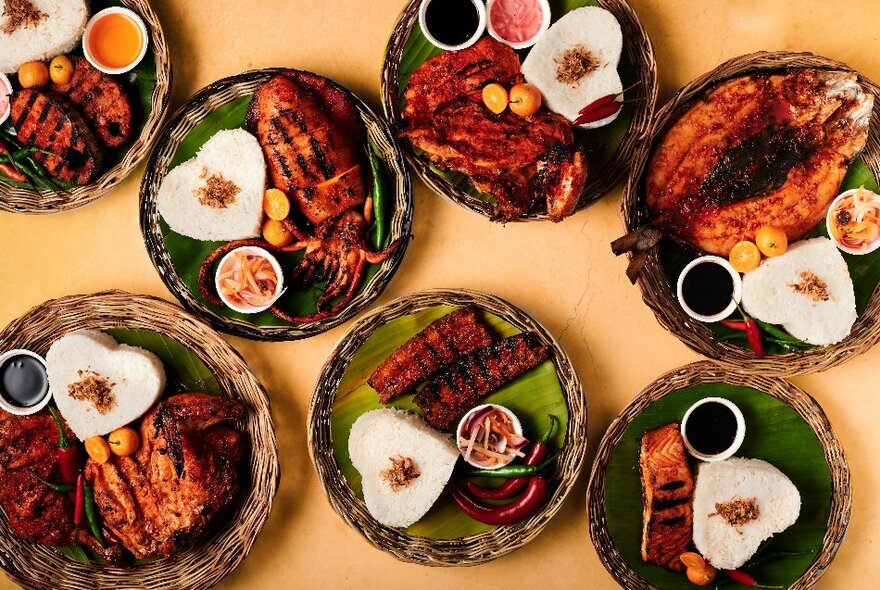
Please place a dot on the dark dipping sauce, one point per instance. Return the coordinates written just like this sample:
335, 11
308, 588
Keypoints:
707, 288
452, 22
23, 381
711, 428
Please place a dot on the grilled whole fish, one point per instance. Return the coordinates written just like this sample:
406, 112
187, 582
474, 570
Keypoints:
102, 101
455, 334
667, 497
308, 154
517, 160
43, 122
464, 383
757, 150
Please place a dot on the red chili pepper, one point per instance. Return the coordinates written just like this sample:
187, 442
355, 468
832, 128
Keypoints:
741, 577
753, 333
735, 324
69, 463
598, 113
80, 503
602, 100
520, 509
537, 452
11, 173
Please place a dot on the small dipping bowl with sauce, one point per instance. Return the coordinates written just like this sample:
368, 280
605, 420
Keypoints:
853, 221
236, 288
452, 24
518, 23
24, 383
713, 429
115, 40
5, 93
709, 289
468, 426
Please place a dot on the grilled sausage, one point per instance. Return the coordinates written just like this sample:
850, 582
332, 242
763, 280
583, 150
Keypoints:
43, 122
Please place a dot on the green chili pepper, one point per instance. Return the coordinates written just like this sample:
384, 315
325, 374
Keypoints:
58, 487
378, 199
780, 334
509, 471
92, 514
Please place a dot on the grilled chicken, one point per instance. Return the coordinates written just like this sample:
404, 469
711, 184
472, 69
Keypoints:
37, 513
456, 334
45, 123
308, 154
102, 101
757, 150
517, 160
160, 500
667, 496
464, 383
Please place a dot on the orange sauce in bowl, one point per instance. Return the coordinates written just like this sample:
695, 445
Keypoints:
115, 41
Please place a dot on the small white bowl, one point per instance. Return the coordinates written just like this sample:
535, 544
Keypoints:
279, 288
828, 217
134, 18
5, 91
517, 428
545, 24
19, 410
481, 26
737, 440
737, 289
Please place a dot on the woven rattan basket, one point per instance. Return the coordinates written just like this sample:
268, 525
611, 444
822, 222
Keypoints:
657, 292
182, 122
21, 200
706, 372
34, 566
641, 54
470, 550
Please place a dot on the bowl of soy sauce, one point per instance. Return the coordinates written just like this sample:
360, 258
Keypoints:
713, 429
452, 24
24, 382
709, 289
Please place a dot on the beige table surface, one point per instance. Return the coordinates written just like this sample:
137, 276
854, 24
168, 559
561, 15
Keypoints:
564, 275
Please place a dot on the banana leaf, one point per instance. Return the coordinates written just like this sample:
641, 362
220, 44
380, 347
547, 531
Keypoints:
187, 254
599, 144
184, 372
140, 83
774, 433
864, 270
531, 397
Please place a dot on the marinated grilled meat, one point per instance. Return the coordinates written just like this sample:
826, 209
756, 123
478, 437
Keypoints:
464, 383
102, 101
456, 334
520, 161
160, 500
757, 150
45, 123
667, 496
308, 155
37, 513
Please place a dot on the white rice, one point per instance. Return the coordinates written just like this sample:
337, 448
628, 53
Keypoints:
598, 32
381, 435
726, 546
137, 377
236, 156
59, 32
768, 294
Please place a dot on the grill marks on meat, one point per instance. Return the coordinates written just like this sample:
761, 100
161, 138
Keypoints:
757, 150
667, 496
43, 122
517, 160
455, 334
160, 500
101, 100
461, 386
308, 154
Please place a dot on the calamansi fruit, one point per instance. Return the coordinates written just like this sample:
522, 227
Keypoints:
525, 99
61, 69
772, 241
33, 74
276, 205
495, 98
276, 233
745, 256
98, 449
124, 441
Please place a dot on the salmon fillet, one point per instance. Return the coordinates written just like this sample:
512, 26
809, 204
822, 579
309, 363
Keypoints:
667, 496
456, 334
